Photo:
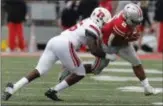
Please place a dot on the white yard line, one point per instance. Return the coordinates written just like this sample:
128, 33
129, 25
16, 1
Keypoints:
115, 70
137, 89
118, 70
84, 83
123, 79
116, 63
158, 103
84, 89
49, 103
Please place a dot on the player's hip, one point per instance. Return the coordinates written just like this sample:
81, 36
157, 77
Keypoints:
60, 45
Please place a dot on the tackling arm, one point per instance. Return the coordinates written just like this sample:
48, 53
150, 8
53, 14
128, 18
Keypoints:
94, 48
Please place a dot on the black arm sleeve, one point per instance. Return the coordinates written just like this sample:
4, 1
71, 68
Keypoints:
94, 48
91, 34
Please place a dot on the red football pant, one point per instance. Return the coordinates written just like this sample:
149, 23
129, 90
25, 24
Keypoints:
160, 38
16, 37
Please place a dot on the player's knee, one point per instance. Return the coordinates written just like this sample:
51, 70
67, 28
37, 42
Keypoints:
40, 71
81, 73
33, 75
136, 63
137, 66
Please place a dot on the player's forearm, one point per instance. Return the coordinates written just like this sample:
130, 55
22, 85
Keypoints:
98, 52
95, 49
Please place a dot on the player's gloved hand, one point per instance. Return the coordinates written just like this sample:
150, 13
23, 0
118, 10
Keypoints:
111, 57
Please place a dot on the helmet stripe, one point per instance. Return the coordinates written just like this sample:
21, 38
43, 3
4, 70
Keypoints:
139, 10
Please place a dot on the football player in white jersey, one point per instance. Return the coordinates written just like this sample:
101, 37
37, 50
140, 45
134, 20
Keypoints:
63, 48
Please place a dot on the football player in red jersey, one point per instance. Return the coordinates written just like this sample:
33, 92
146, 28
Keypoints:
118, 35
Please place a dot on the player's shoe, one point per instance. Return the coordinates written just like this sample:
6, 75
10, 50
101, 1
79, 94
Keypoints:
149, 90
52, 94
6, 95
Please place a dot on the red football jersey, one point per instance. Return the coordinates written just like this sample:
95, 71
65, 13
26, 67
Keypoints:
117, 27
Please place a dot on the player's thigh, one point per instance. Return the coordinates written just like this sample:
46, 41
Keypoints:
47, 59
70, 60
128, 53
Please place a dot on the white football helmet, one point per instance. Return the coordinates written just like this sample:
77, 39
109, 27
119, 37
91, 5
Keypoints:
133, 14
100, 16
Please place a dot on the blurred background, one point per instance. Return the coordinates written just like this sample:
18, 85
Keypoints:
27, 25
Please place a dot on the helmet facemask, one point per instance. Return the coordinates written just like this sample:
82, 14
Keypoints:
132, 22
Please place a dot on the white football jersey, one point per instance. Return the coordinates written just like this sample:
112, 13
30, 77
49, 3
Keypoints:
76, 34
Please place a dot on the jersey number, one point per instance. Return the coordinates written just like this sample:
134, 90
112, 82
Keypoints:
75, 26
124, 24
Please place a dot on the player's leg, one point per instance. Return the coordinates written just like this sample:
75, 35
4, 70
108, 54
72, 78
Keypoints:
72, 63
99, 65
66, 72
46, 61
128, 53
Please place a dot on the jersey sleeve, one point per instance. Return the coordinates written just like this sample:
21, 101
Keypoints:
119, 28
92, 30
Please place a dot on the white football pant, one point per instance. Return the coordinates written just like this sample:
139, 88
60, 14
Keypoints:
59, 48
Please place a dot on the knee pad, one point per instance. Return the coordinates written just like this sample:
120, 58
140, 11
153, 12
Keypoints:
80, 71
136, 63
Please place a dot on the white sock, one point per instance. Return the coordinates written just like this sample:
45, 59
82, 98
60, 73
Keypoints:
62, 85
145, 83
23, 81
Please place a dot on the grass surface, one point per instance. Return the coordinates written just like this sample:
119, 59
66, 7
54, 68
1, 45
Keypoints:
87, 92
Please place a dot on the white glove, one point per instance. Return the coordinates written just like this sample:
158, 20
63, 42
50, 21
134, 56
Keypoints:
111, 57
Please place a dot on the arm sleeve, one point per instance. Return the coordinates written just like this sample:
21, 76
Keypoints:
92, 38
90, 33
92, 30
95, 48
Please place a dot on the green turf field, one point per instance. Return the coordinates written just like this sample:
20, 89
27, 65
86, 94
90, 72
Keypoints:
89, 91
